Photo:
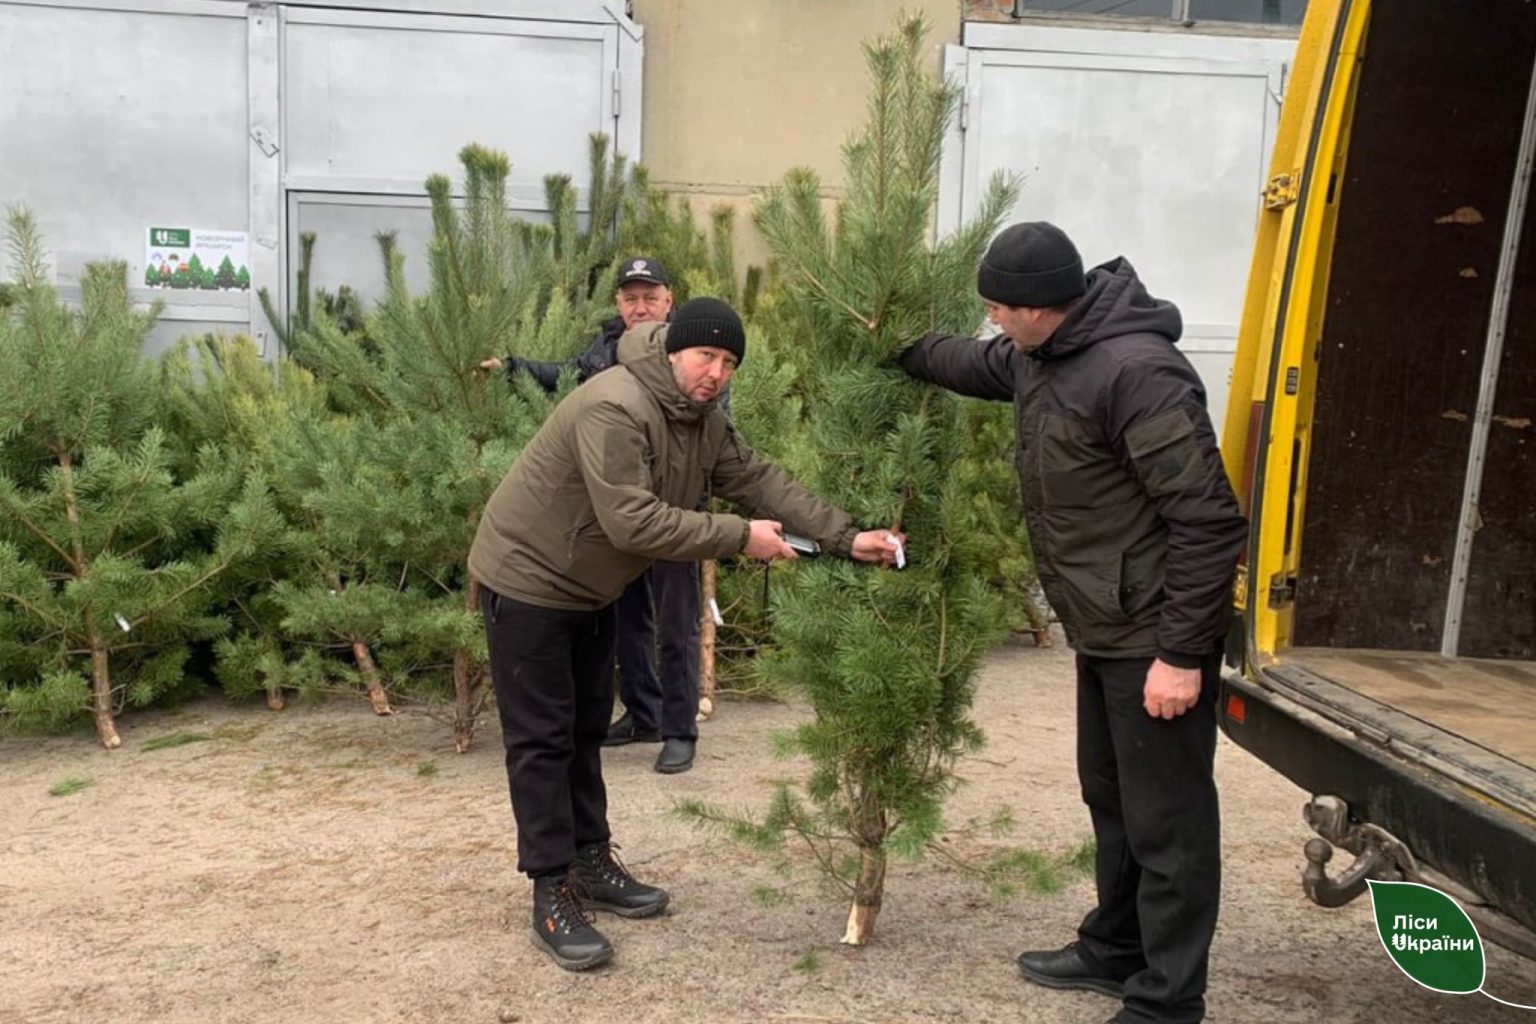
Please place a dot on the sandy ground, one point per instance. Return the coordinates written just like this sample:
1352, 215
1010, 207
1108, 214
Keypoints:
303, 866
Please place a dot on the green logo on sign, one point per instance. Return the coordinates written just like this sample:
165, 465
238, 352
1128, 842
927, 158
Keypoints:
171, 237
1429, 936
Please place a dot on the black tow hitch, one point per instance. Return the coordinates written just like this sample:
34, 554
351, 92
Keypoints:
1379, 855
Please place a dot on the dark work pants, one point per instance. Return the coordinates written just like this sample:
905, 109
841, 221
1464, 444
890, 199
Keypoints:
552, 671
1150, 791
664, 601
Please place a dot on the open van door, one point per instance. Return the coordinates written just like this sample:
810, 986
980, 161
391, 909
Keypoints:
1379, 434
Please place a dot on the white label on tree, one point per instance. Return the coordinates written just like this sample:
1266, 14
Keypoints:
714, 610
901, 556
123, 623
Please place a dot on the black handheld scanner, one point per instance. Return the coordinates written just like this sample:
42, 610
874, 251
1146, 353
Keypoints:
803, 546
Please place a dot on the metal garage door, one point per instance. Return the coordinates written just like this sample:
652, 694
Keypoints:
248, 124
1149, 144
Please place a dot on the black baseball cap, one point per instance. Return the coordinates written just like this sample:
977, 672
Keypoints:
642, 269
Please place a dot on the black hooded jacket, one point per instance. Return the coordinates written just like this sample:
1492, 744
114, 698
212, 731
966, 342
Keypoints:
1134, 526
601, 354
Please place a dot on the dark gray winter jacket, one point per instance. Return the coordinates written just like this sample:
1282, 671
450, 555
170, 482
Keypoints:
1134, 526
601, 354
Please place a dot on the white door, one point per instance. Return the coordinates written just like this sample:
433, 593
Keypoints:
1150, 145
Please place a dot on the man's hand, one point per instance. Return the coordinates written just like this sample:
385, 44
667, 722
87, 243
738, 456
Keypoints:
878, 546
491, 364
766, 541
1170, 691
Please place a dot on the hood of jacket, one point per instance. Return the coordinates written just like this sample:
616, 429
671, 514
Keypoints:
1116, 304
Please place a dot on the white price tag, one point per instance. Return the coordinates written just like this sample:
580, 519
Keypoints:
714, 609
122, 623
901, 556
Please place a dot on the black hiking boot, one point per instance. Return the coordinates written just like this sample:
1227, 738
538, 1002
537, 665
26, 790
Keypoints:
563, 928
609, 886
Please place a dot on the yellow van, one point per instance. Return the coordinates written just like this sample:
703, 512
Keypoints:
1381, 433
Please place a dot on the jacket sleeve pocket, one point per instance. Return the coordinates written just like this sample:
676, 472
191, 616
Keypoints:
1165, 452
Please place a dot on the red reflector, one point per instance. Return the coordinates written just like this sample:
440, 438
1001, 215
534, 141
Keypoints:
1236, 709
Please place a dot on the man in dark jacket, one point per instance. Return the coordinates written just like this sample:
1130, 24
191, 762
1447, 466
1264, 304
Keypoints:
1136, 534
643, 296
661, 700
613, 480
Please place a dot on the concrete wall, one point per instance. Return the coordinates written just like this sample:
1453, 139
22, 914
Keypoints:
739, 91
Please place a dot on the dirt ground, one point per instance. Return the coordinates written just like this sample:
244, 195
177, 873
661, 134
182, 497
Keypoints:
304, 867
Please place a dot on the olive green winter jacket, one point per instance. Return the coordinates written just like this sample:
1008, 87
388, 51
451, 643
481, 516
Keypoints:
612, 480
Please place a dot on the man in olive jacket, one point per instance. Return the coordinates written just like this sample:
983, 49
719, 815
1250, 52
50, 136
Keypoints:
612, 481
1136, 535
659, 682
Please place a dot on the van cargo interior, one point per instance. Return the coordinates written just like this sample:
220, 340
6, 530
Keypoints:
1431, 166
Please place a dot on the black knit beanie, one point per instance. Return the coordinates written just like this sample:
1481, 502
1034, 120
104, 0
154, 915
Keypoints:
1031, 264
707, 322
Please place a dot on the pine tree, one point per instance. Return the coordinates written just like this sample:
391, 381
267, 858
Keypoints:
108, 551
886, 658
391, 489
999, 515
383, 491
768, 413
218, 390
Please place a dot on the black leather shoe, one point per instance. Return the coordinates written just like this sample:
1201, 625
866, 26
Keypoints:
624, 731
676, 756
563, 928
1066, 968
609, 886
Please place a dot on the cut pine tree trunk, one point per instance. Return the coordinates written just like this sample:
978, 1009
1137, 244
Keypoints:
101, 676
707, 643
1039, 617
463, 684
370, 672
1039, 621
101, 696
868, 890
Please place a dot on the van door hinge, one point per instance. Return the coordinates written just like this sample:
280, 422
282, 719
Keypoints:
1281, 190
1282, 590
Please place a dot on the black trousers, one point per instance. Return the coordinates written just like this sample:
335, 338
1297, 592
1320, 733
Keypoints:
552, 671
1148, 785
663, 603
